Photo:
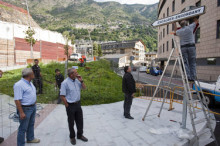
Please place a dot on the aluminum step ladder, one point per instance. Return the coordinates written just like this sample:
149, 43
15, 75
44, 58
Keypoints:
188, 99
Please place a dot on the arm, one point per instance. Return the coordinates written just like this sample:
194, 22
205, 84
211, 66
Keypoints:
82, 83
21, 112
196, 21
175, 27
64, 100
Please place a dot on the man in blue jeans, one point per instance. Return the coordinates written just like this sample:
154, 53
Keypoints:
188, 48
25, 100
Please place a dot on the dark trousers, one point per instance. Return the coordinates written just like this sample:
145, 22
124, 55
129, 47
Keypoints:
38, 85
59, 99
127, 104
1, 139
75, 114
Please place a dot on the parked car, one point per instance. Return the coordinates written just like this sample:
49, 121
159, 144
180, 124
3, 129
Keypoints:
212, 89
148, 70
154, 71
134, 68
75, 56
142, 69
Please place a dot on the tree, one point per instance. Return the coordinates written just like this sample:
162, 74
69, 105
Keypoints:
30, 39
95, 49
99, 50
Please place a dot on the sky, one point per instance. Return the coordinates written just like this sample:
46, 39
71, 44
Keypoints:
132, 1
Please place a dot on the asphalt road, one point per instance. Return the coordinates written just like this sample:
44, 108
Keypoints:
149, 79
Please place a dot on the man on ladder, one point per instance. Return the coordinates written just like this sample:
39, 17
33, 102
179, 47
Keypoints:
188, 48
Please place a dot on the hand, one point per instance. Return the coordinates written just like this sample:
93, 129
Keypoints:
79, 78
22, 116
67, 105
133, 95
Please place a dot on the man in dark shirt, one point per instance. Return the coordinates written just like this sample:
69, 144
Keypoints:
59, 79
37, 76
128, 87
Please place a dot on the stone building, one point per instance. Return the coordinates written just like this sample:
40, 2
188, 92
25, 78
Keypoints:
207, 36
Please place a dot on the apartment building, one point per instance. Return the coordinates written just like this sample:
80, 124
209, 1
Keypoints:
207, 36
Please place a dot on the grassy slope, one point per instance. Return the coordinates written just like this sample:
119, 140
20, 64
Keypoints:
103, 85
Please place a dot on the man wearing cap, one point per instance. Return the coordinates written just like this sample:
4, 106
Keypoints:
25, 100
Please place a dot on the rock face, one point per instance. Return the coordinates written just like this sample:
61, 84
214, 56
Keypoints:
11, 13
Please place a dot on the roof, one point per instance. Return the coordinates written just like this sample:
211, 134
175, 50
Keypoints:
114, 56
119, 45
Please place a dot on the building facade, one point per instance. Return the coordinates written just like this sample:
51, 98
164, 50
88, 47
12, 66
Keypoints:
134, 48
207, 36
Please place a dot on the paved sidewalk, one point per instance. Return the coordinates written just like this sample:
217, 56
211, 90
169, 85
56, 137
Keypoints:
104, 125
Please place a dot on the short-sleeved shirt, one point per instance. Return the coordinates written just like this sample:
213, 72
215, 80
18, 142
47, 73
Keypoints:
36, 70
186, 34
71, 89
25, 91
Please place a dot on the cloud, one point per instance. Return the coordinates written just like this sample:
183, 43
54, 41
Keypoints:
132, 1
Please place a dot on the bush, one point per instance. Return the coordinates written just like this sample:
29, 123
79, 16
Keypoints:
103, 85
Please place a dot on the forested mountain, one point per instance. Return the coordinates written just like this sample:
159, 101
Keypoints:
112, 20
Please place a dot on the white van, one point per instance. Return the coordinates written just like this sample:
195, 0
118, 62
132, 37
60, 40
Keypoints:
75, 56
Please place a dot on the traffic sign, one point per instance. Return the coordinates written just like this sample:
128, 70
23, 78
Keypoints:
181, 16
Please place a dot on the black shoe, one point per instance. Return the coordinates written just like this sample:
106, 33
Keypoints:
73, 141
83, 138
1, 139
129, 117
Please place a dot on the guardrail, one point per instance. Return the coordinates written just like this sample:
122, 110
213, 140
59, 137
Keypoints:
175, 95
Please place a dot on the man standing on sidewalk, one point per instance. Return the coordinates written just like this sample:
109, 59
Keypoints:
37, 76
1, 138
128, 87
188, 48
70, 94
25, 99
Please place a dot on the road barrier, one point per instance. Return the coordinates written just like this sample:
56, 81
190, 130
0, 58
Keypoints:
175, 95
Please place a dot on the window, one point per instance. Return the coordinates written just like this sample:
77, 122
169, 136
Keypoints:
167, 46
168, 11
168, 29
211, 61
164, 32
183, 1
122, 51
198, 4
218, 3
172, 27
197, 35
218, 29
173, 6
163, 48
163, 15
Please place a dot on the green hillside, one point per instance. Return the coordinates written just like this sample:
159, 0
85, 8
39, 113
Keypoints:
131, 21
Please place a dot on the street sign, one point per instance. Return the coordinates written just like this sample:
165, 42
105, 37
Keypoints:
75, 67
181, 16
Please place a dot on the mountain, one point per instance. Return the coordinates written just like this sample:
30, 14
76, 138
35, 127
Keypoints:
57, 13
11, 13
106, 21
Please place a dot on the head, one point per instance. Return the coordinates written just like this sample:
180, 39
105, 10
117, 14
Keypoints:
57, 71
1, 73
127, 69
28, 74
36, 61
183, 23
72, 73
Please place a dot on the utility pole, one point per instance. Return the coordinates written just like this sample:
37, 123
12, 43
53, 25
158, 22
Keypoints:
32, 56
